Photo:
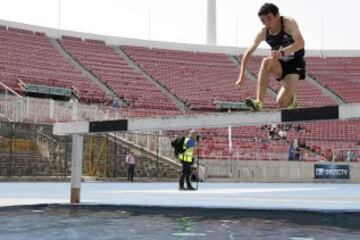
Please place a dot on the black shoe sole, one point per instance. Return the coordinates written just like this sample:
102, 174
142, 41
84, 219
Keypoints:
250, 103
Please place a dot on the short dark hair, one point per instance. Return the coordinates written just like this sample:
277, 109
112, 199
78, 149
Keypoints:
268, 8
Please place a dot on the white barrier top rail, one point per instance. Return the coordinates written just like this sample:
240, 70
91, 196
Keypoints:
215, 120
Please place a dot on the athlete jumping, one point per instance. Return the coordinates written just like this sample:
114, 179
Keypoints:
286, 61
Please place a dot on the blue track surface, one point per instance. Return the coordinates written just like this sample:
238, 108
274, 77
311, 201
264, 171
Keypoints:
210, 195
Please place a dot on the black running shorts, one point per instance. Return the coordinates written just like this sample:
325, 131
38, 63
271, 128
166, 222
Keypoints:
293, 66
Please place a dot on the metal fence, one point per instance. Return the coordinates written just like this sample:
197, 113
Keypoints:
31, 150
37, 110
155, 142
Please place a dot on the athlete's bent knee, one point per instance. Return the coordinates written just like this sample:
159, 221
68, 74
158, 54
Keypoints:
267, 63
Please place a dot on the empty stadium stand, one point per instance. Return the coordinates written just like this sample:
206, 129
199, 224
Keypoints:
31, 58
103, 61
340, 75
198, 79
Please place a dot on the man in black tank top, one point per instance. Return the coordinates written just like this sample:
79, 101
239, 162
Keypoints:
286, 61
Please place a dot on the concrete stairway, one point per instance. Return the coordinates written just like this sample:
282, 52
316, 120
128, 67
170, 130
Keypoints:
109, 159
25, 163
149, 164
179, 104
109, 93
324, 90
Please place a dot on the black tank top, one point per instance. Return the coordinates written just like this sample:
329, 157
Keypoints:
281, 40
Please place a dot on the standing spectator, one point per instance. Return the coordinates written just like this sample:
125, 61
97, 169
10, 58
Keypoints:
328, 154
187, 158
130, 160
350, 156
302, 154
291, 152
297, 153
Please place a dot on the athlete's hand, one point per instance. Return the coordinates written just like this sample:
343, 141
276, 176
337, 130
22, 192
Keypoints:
276, 54
239, 82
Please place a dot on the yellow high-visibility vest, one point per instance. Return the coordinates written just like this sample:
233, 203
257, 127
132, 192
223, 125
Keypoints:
188, 154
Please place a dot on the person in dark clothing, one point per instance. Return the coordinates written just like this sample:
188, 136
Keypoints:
187, 159
130, 160
286, 61
297, 153
291, 152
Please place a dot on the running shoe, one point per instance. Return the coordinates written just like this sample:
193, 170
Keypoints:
255, 105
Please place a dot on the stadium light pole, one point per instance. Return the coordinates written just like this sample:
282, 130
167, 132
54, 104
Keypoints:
59, 18
322, 38
211, 22
149, 26
236, 31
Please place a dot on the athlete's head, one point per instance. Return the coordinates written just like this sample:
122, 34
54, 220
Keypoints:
269, 15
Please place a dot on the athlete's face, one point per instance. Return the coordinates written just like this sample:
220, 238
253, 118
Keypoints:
270, 20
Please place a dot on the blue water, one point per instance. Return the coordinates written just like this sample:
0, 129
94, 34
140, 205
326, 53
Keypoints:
116, 222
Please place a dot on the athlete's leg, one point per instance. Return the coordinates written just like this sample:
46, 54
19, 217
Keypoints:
288, 90
269, 66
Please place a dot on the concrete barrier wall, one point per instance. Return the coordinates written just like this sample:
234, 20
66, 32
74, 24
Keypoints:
274, 171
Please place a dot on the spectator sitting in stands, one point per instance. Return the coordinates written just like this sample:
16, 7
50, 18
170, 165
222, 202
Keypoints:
272, 133
282, 134
299, 128
287, 126
264, 127
115, 104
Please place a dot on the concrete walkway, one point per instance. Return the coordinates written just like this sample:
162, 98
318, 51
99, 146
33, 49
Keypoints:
336, 197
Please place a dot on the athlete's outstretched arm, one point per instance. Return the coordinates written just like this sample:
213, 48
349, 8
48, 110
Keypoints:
247, 55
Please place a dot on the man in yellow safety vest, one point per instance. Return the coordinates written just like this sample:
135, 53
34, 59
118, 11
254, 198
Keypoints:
187, 158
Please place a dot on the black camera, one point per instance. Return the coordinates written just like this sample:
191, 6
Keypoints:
198, 137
